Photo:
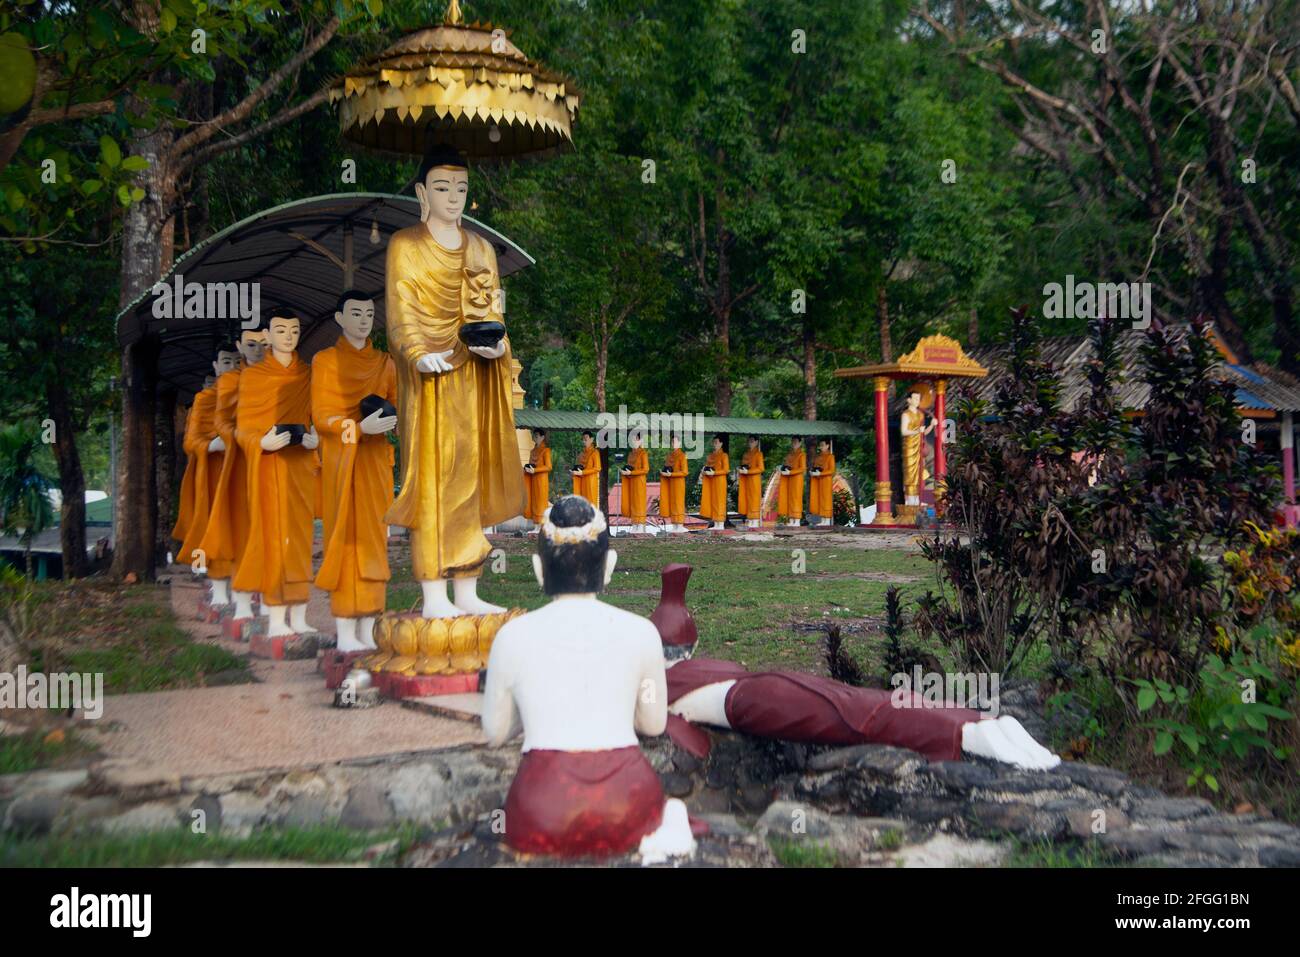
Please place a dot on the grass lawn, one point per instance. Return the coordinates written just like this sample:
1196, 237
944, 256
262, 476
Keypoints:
750, 602
127, 632
317, 845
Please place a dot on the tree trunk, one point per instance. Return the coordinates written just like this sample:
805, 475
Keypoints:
166, 472
722, 385
602, 369
882, 318
146, 254
973, 328
27, 557
72, 482
809, 370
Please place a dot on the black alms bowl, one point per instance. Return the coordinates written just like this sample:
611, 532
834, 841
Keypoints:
377, 403
296, 432
486, 333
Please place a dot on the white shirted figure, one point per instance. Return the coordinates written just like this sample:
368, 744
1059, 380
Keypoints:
581, 679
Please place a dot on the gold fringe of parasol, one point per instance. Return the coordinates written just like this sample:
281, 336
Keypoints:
465, 85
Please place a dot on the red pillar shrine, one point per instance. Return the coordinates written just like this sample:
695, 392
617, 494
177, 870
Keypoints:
935, 360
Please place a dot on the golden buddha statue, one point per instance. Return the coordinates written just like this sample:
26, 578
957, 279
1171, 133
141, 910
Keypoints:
913, 428
460, 464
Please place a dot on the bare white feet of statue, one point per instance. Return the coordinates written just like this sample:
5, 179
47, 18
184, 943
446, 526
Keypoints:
345, 630
719, 526
466, 598
672, 838
366, 633
794, 522
436, 602
220, 591
243, 604
1003, 739
277, 624
298, 619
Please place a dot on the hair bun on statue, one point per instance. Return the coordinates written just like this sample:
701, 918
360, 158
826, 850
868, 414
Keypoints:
440, 154
572, 545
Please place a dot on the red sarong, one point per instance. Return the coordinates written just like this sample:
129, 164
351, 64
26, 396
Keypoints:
792, 706
577, 803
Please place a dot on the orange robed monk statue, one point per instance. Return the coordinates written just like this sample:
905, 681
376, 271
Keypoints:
274, 431
749, 497
672, 488
460, 460
353, 406
713, 498
634, 491
790, 489
223, 540
205, 452
820, 495
537, 476
586, 473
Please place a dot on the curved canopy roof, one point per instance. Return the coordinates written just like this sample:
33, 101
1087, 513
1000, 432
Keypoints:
302, 254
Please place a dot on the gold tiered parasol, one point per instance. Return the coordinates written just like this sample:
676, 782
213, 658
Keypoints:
464, 85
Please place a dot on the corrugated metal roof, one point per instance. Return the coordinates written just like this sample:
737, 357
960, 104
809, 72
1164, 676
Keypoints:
1258, 386
562, 420
293, 251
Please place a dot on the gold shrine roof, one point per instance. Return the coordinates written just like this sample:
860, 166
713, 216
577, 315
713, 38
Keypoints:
463, 84
934, 356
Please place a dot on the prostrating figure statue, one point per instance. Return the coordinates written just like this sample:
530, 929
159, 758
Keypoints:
634, 473
586, 471
749, 496
274, 431
912, 427
353, 405
226, 534
537, 477
672, 488
581, 678
460, 459
714, 475
205, 452
822, 474
790, 488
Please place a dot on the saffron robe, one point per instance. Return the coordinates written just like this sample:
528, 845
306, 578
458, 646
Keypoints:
538, 482
713, 498
914, 471
356, 476
749, 497
672, 489
202, 470
460, 460
226, 535
790, 492
282, 490
819, 492
586, 482
638, 466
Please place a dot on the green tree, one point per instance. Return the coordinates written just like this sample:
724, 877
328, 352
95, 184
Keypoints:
25, 509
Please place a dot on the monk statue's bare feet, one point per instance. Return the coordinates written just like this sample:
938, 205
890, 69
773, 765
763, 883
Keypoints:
467, 599
346, 631
436, 602
276, 624
366, 632
1003, 739
298, 619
